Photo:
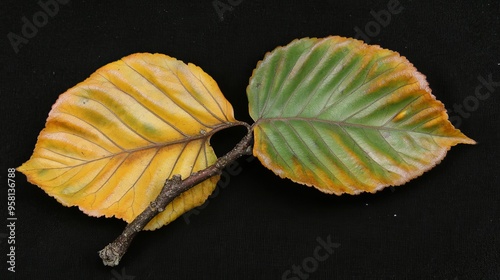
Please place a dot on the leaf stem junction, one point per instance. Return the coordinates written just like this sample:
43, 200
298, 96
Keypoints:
173, 187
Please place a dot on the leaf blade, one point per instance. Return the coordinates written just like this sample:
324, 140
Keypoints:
111, 141
349, 118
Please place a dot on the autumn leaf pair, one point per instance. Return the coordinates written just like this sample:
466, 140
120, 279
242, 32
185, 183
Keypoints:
333, 113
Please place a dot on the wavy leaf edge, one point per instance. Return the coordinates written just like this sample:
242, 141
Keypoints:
269, 162
201, 135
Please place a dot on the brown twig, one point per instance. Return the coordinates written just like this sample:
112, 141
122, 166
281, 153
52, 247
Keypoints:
173, 187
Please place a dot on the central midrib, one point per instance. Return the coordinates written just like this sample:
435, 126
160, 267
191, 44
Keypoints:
161, 145
343, 124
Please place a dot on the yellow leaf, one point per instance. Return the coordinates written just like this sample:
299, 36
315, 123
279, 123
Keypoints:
111, 141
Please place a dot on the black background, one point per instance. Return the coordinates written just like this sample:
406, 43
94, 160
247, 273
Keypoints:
442, 225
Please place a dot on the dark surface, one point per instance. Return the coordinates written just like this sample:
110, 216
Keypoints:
443, 225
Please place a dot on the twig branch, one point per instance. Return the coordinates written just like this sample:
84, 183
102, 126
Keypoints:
173, 187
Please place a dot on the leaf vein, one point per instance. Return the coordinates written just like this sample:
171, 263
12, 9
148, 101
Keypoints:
115, 115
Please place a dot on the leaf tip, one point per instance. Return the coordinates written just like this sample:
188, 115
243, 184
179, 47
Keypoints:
467, 140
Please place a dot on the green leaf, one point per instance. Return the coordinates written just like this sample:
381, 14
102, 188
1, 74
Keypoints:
346, 117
